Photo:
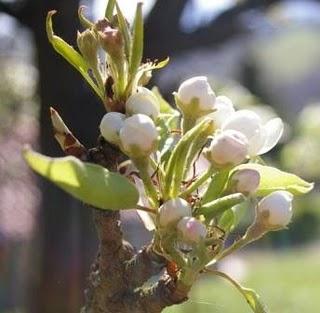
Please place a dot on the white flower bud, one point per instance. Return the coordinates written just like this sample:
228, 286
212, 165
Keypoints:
110, 126
198, 90
144, 102
275, 210
245, 181
223, 110
191, 230
227, 148
173, 210
138, 135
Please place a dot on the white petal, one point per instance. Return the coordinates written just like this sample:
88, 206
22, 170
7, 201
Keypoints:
224, 109
245, 121
273, 130
257, 141
147, 220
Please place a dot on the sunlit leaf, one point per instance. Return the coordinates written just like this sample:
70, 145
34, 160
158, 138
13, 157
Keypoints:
109, 9
137, 44
71, 55
165, 107
227, 220
87, 182
125, 31
272, 179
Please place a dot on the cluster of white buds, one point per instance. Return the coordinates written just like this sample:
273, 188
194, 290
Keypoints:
275, 210
136, 135
177, 212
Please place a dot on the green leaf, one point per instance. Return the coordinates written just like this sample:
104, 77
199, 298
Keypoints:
87, 182
218, 206
109, 10
71, 55
83, 20
165, 107
252, 298
272, 179
216, 185
137, 44
227, 220
123, 26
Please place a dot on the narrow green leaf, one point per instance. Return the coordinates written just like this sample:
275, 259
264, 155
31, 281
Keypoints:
272, 179
137, 44
70, 54
109, 9
83, 20
218, 206
87, 182
216, 186
125, 31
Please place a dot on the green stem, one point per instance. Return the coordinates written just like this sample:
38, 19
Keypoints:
187, 123
194, 186
142, 165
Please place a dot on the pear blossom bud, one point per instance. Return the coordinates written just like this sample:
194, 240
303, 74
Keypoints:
144, 102
223, 110
111, 39
275, 210
110, 126
227, 148
191, 230
195, 97
173, 210
88, 46
139, 136
245, 181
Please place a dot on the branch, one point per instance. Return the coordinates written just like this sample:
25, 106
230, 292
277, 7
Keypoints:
145, 264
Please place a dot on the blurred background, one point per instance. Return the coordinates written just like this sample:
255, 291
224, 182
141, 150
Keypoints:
262, 54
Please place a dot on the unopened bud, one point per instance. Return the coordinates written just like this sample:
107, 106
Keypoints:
191, 229
110, 39
275, 210
110, 126
227, 148
173, 210
195, 97
139, 136
88, 46
144, 102
245, 181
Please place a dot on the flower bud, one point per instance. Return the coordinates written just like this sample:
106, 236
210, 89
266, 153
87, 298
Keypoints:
191, 230
139, 136
88, 46
110, 126
195, 97
144, 102
173, 210
227, 148
224, 109
275, 210
110, 39
245, 181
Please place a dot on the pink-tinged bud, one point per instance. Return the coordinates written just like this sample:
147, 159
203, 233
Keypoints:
143, 102
173, 210
245, 181
275, 210
110, 126
227, 148
195, 97
139, 136
191, 229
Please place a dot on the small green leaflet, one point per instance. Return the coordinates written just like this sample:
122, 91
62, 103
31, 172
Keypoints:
252, 298
71, 55
87, 182
272, 179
